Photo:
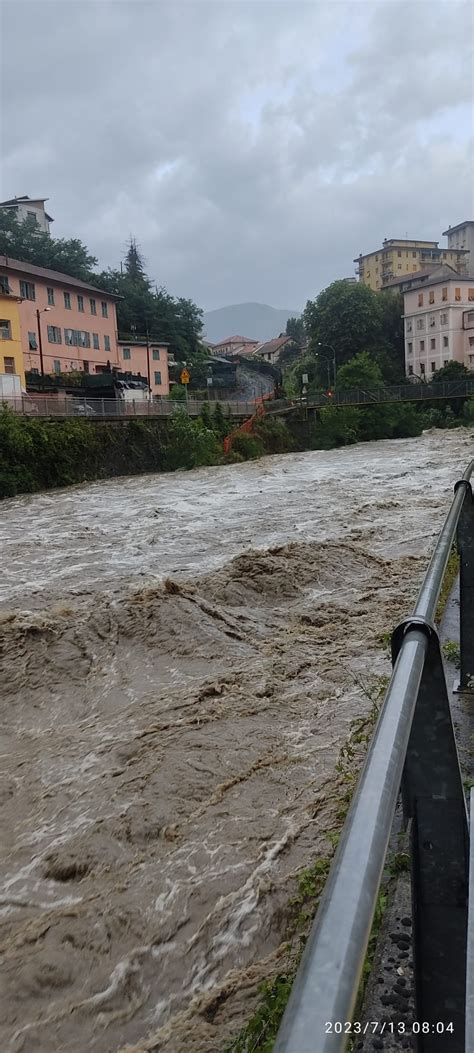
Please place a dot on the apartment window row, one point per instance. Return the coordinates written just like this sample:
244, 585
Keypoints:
420, 322
28, 292
74, 338
433, 344
444, 295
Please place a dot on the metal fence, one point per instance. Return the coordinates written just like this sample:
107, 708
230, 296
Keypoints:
413, 748
95, 409
398, 393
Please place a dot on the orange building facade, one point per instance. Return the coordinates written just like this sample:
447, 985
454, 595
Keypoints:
65, 324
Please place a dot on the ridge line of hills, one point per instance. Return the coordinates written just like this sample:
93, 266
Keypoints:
258, 321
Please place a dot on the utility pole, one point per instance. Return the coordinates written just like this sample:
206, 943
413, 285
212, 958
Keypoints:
40, 341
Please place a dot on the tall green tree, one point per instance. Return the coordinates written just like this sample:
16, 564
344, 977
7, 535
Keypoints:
362, 373
295, 329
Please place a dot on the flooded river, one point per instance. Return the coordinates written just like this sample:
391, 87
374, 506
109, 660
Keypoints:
181, 659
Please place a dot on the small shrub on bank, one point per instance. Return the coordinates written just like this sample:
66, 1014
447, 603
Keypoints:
249, 446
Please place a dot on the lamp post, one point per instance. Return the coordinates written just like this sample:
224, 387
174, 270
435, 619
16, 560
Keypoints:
333, 359
40, 342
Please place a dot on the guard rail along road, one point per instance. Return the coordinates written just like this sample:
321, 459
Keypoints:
413, 748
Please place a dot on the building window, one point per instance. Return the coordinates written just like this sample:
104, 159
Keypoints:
32, 345
420, 299
457, 294
471, 360
443, 318
445, 341
409, 326
420, 323
399, 266
126, 354
67, 300
433, 343
105, 312
471, 341
77, 338
27, 291
446, 362
377, 259
4, 286
410, 371
32, 215
95, 341
57, 365
444, 293
470, 316
80, 303
432, 321
398, 253
156, 355
444, 255
8, 365
422, 345
470, 294
157, 378
106, 343
85, 366
5, 329
433, 367
50, 296
410, 348
54, 334
432, 296
422, 369
414, 255
93, 306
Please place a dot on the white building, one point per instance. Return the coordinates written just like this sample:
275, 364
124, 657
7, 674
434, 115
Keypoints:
439, 325
462, 237
29, 208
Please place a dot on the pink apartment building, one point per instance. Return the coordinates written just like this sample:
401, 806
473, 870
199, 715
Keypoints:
67, 323
439, 325
150, 360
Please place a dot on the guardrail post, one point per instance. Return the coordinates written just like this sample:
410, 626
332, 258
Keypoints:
433, 798
465, 543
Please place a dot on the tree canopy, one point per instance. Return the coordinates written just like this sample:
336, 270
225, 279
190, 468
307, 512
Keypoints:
362, 372
24, 240
142, 309
350, 318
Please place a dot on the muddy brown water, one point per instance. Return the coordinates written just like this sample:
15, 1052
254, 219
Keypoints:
181, 659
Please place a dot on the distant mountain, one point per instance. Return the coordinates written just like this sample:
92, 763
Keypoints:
255, 320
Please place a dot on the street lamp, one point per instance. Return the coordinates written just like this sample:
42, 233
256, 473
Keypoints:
38, 312
333, 359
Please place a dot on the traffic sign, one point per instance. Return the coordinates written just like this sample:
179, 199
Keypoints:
184, 376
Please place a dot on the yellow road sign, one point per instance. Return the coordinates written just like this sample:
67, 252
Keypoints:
184, 376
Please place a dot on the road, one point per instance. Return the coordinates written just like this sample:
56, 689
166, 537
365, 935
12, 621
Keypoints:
183, 655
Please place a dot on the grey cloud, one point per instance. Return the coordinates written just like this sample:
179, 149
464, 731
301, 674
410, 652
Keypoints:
252, 148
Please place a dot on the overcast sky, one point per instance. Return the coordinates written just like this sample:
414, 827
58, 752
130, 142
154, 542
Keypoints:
253, 149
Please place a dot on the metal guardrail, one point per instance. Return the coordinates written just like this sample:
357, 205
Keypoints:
414, 748
61, 407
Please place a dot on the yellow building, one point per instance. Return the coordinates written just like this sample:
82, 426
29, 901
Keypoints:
399, 257
11, 353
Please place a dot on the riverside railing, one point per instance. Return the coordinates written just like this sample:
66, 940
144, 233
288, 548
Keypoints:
60, 406
413, 748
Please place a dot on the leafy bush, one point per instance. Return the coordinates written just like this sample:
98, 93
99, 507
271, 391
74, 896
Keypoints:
275, 435
249, 446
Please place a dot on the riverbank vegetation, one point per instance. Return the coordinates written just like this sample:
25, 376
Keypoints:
37, 454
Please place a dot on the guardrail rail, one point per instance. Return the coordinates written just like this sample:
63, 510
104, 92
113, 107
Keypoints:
413, 749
